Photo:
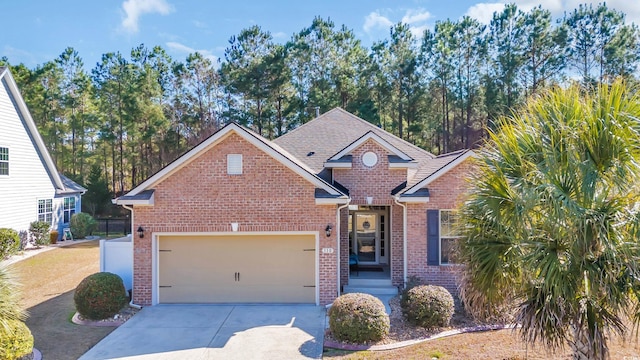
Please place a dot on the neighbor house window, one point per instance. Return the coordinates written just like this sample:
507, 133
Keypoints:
4, 161
234, 164
69, 208
45, 210
449, 235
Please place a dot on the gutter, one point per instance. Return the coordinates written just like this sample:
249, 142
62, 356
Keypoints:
133, 238
338, 243
404, 239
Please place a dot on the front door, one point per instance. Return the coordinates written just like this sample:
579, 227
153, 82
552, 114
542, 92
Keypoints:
367, 233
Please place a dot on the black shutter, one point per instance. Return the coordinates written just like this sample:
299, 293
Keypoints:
433, 237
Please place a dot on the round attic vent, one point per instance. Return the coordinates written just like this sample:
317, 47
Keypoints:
369, 159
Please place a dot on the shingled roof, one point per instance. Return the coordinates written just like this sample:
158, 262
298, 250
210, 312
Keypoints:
333, 131
318, 140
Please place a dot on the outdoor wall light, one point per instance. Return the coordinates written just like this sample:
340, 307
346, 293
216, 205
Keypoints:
140, 232
327, 230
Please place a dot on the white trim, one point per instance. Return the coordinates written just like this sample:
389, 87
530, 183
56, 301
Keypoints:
218, 137
149, 202
155, 290
32, 129
406, 165
413, 199
332, 201
371, 135
338, 165
431, 178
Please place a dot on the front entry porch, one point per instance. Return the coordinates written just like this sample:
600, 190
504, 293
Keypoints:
369, 242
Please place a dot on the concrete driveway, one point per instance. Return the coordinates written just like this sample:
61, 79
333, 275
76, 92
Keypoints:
217, 332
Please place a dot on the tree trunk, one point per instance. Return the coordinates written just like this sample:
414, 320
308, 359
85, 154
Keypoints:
581, 347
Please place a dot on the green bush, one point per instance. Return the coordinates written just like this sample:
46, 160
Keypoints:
100, 296
428, 306
358, 318
82, 224
16, 340
9, 242
39, 231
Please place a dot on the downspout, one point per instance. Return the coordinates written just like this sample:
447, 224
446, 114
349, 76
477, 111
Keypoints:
404, 239
338, 242
132, 249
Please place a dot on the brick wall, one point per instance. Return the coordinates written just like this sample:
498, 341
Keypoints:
377, 182
446, 192
201, 197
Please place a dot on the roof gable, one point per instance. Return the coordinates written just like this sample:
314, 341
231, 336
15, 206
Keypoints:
23, 112
370, 135
271, 149
325, 136
444, 163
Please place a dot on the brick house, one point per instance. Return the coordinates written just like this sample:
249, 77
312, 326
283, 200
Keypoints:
243, 219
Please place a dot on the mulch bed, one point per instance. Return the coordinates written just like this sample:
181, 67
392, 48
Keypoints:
118, 319
401, 331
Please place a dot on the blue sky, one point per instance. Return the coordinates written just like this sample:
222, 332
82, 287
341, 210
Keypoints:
36, 31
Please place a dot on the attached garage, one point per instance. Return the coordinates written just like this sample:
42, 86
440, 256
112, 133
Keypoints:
242, 268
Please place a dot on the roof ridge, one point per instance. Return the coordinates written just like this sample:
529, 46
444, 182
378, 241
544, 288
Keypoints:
308, 122
372, 126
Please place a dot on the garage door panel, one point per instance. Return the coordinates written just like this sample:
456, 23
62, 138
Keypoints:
251, 269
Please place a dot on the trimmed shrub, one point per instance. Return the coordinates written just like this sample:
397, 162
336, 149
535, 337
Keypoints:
16, 340
39, 232
82, 224
358, 318
9, 242
100, 296
428, 306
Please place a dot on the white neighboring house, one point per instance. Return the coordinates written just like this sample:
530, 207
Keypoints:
30, 186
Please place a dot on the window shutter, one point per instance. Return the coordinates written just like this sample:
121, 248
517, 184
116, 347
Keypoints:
433, 237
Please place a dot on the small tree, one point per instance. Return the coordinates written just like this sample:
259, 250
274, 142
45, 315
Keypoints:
39, 232
82, 224
98, 194
553, 219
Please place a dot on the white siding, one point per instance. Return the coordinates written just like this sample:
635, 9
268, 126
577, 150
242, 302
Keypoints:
28, 179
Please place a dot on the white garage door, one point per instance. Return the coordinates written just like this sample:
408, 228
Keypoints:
237, 268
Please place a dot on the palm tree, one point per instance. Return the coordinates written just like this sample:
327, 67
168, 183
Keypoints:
552, 221
10, 307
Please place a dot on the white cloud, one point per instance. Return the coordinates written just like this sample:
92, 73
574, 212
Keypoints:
483, 12
414, 16
376, 21
135, 8
186, 50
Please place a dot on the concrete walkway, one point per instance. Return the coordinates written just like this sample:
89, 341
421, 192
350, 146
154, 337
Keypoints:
217, 332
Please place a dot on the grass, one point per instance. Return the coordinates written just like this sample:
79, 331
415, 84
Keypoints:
49, 280
501, 344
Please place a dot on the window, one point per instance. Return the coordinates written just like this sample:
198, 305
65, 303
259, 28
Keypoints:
234, 164
45, 210
449, 235
69, 208
4, 161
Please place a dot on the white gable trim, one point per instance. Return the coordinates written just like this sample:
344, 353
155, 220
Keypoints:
443, 170
413, 199
371, 135
214, 140
32, 129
